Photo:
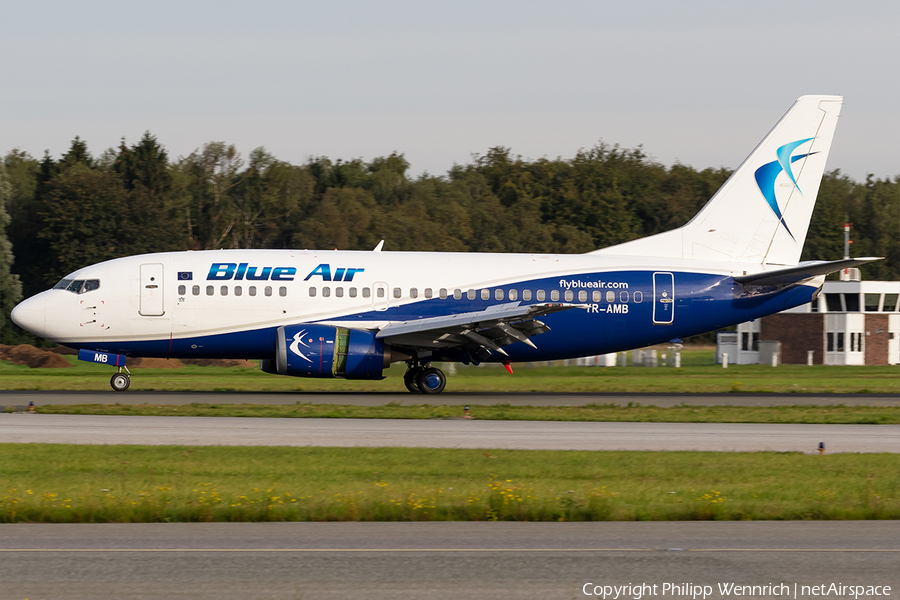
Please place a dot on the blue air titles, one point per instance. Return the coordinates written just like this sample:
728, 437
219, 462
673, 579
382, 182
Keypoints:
340, 273
240, 271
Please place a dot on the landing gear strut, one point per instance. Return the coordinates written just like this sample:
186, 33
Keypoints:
120, 381
425, 380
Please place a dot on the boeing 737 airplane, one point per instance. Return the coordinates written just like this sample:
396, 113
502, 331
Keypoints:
314, 313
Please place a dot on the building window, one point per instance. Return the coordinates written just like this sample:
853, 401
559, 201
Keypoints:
526, 295
638, 297
252, 290
582, 296
569, 296
829, 347
872, 302
840, 341
312, 292
182, 290
890, 303
833, 303
238, 290
851, 301
339, 292
513, 295
282, 291
755, 342
268, 290
195, 290
814, 305
485, 294
745, 341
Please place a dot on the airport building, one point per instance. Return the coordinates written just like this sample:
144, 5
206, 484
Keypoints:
852, 322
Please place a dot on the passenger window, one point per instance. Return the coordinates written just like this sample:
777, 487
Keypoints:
353, 292
312, 292
397, 293
268, 290
413, 293
223, 290
596, 296
195, 290
623, 296
210, 290
485, 294
638, 297
282, 291
526, 295
541, 295
442, 293
379, 292
498, 294
182, 290
610, 296
513, 295
570, 295
554, 296
326, 292
470, 294
252, 290
367, 293
339, 292
457, 294
582, 296
238, 290
428, 293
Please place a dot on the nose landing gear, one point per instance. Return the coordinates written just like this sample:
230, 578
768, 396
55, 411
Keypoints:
120, 381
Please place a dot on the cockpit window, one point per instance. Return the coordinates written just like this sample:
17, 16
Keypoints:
78, 286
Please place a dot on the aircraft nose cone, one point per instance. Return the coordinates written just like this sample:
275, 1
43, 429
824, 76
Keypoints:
30, 315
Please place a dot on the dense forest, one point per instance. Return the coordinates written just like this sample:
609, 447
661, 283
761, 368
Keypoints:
60, 215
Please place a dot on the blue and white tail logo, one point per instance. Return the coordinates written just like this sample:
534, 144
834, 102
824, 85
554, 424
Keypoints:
769, 172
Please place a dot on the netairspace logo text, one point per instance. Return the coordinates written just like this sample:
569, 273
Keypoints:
695, 592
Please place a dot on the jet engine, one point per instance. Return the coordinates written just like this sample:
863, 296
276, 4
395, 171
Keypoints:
326, 351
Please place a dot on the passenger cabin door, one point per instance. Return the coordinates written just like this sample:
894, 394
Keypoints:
152, 290
663, 298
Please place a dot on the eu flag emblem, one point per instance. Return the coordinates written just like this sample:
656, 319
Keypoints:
185, 275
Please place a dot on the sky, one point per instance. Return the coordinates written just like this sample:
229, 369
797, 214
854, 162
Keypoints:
699, 82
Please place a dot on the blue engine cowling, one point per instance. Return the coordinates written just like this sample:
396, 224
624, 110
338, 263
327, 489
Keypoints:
326, 351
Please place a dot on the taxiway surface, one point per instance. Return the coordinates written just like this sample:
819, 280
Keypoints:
445, 433
22, 398
222, 561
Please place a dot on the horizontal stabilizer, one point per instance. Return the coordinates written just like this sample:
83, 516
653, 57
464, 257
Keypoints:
805, 270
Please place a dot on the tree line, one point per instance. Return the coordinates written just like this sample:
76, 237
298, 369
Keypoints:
57, 215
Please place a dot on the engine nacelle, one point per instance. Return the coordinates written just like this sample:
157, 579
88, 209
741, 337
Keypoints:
326, 351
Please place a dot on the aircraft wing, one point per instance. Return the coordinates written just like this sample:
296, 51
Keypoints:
804, 270
492, 328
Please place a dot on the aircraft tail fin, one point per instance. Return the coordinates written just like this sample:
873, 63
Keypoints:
761, 213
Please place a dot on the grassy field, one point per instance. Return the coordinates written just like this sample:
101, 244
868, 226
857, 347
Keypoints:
591, 412
75, 484
699, 374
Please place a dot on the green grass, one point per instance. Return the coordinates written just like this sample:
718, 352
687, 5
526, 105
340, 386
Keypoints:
698, 375
591, 412
79, 483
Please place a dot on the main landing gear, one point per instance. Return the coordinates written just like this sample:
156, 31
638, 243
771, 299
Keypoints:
120, 381
427, 380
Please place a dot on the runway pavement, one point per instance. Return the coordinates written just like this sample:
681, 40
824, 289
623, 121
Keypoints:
22, 398
224, 561
445, 433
